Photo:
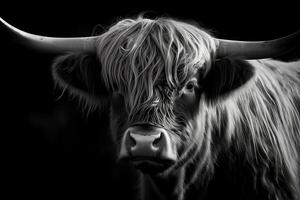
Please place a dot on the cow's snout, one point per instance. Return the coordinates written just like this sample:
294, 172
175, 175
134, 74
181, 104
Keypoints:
147, 145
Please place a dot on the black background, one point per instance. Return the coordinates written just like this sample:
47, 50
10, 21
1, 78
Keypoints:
49, 147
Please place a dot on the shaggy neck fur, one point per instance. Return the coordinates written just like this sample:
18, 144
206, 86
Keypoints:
263, 125
255, 128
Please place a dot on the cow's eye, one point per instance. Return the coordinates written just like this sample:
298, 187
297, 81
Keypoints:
190, 86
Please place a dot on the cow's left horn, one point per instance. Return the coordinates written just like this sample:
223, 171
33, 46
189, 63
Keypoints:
51, 44
257, 49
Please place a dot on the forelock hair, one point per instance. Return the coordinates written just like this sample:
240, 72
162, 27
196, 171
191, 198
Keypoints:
139, 54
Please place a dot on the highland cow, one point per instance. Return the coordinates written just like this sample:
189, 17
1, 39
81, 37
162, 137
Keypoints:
193, 113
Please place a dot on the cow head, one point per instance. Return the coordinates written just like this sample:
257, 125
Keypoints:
155, 74
159, 78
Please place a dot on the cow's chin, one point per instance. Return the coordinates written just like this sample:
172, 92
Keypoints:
151, 166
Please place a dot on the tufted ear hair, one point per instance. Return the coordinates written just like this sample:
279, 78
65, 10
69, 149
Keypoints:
227, 75
80, 75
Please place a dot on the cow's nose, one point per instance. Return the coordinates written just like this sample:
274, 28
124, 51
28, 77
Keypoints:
145, 144
140, 142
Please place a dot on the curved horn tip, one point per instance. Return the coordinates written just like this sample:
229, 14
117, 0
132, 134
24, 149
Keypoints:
52, 44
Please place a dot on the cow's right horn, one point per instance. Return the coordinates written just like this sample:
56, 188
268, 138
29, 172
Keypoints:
51, 44
257, 49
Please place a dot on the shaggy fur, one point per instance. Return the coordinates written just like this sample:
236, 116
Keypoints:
262, 124
244, 117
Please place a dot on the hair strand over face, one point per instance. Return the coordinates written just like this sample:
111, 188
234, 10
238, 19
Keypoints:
138, 55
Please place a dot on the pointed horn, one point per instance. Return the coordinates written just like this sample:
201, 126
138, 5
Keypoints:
51, 44
257, 49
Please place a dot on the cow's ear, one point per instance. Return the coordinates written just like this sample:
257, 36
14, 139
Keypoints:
80, 74
227, 75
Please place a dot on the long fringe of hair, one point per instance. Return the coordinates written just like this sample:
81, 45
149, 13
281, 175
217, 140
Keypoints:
135, 53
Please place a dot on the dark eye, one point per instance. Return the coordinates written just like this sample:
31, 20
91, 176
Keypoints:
190, 86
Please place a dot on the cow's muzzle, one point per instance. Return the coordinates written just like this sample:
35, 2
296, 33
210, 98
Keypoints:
148, 148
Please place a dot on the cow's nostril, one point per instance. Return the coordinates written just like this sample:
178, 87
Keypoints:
132, 141
157, 140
